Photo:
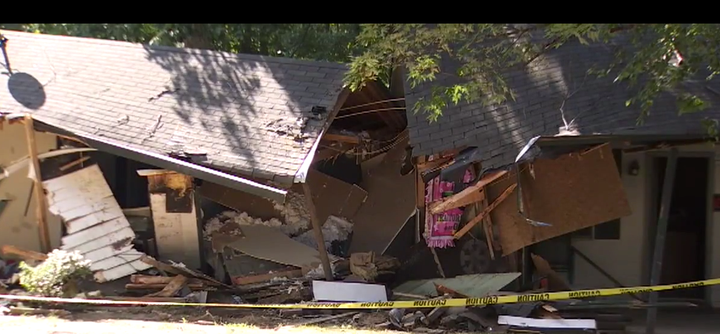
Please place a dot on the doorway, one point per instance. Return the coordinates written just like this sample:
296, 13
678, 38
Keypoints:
685, 242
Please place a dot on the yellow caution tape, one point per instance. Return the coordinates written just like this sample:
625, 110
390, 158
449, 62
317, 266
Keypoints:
489, 300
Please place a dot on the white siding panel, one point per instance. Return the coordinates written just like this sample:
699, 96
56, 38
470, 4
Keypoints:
95, 223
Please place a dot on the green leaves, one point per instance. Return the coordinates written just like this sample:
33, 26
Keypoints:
331, 41
658, 59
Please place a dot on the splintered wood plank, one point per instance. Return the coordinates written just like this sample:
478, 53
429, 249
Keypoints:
485, 212
468, 196
341, 138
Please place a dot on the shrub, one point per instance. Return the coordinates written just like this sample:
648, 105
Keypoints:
51, 277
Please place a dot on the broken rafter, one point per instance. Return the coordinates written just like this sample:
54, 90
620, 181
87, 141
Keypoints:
469, 195
341, 138
485, 212
433, 164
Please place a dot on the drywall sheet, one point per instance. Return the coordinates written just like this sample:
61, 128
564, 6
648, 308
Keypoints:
348, 292
390, 202
330, 195
176, 234
334, 197
268, 243
95, 223
571, 192
471, 285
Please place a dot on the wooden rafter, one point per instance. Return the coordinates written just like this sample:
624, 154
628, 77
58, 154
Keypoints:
469, 195
485, 212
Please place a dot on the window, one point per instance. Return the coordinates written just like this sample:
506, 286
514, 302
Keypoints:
608, 230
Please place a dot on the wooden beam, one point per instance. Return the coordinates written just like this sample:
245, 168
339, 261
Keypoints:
485, 212
41, 201
317, 228
73, 163
429, 165
23, 254
468, 195
341, 138
266, 277
660, 232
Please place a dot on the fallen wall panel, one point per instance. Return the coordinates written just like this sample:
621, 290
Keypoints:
571, 192
390, 202
104, 239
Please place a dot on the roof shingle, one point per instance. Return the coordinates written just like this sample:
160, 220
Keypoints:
251, 115
596, 104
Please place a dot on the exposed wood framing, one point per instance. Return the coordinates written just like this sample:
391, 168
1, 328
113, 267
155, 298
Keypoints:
73, 163
469, 195
433, 164
267, 277
325, 260
41, 203
341, 138
23, 254
660, 232
485, 212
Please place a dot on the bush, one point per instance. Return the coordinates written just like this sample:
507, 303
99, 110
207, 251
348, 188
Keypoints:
52, 277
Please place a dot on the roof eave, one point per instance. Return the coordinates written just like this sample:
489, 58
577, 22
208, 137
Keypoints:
170, 163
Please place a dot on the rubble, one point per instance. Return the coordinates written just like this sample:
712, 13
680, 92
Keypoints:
335, 229
296, 219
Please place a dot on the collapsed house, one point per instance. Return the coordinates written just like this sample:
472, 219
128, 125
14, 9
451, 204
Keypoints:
257, 169
566, 172
198, 150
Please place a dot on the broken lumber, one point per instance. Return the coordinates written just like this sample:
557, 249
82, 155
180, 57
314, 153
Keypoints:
469, 195
485, 212
146, 279
131, 286
341, 138
245, 280
175, 285
73, 163
23, 254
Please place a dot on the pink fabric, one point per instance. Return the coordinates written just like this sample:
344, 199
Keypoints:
440, 228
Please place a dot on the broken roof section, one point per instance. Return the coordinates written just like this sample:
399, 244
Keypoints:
248, 115
596, 105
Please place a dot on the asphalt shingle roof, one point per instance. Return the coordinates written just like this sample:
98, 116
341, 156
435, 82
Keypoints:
597, 105
251, 115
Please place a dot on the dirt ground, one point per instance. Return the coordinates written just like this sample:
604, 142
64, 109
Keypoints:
153, 319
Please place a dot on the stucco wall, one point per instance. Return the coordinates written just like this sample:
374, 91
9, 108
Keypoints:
625, 259
17, 228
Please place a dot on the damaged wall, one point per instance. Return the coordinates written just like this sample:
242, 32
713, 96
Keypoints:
555, 191
620, 258
172, 202
626, 258
330, 195
18, 225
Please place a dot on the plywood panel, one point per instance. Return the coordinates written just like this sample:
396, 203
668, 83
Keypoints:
17, 220
268, 243
390, 202
334, 197
571, 192
176, 234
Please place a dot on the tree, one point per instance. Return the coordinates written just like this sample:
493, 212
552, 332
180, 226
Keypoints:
664, 55
331, 41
